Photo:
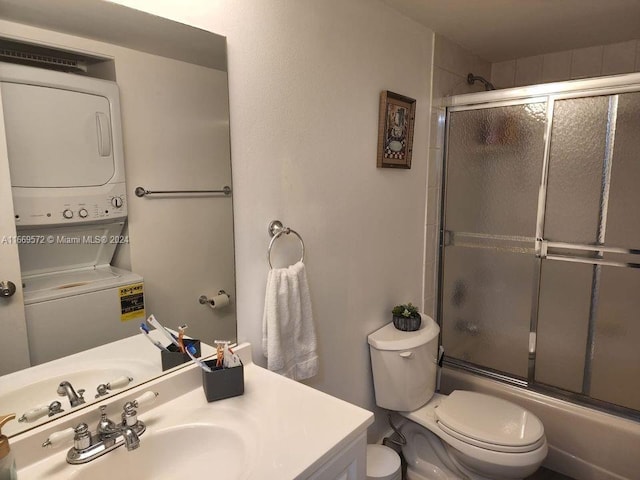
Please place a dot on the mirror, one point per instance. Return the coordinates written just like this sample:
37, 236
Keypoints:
61, 323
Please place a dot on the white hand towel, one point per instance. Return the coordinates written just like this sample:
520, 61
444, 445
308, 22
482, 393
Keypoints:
288, 333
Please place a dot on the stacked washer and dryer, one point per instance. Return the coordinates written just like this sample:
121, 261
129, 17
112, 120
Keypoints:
64, 141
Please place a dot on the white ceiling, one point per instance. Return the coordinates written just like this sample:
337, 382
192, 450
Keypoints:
498, 30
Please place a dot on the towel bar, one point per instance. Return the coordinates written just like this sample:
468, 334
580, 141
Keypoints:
142, 192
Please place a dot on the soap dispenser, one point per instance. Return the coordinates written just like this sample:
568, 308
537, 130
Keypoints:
7, 461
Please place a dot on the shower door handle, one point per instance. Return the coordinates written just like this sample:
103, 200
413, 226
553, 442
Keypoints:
7, 288
545, 245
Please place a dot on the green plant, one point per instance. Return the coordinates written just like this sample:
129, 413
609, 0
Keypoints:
407, 311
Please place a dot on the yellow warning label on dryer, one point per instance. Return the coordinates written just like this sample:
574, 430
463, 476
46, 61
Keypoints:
131, 302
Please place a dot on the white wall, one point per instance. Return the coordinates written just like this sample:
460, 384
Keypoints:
305, 79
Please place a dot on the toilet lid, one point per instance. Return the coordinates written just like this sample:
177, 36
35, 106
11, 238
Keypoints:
489, 420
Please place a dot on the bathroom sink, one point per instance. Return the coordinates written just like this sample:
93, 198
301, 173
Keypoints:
216, 449
278, 429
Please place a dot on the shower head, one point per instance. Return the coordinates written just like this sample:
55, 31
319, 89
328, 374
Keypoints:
471, 79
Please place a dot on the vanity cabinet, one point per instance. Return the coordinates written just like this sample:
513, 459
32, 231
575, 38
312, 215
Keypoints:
350, 464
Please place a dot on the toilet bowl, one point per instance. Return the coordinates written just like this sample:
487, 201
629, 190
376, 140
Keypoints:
483, 437
465, 435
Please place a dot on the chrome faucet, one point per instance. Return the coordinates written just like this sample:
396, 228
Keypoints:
129, 429
129, 432
65, 389
131, 438
108, 436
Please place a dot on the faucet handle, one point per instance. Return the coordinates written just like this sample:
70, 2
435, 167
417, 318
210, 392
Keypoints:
82, 437
129, 413
120, 382
145, 399
34, 414
58, 438
55, 408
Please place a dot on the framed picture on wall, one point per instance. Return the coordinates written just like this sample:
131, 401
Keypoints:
395, 130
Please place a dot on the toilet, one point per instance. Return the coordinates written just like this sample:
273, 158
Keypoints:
464, 435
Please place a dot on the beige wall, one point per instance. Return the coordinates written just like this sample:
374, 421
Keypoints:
595, 61
451, 65
304, 80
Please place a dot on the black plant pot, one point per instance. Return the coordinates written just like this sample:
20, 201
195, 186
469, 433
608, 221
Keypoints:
407, 324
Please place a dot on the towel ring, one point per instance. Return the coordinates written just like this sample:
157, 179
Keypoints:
276, 229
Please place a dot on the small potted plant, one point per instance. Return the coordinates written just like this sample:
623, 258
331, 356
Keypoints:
406, 317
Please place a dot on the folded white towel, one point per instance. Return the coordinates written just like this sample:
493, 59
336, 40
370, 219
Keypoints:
288, 333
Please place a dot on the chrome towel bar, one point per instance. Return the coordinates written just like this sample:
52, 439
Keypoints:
143, 192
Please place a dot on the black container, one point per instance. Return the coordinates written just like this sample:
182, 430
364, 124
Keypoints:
222, 382
407, 324
174, 357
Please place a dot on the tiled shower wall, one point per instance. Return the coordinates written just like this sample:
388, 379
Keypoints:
596, 61
451, 65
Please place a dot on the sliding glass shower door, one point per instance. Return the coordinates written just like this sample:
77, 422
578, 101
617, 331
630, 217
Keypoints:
540, 229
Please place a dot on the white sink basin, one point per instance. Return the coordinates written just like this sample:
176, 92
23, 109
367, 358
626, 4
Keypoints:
214, 448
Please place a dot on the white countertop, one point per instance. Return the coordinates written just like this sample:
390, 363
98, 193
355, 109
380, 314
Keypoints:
290, 429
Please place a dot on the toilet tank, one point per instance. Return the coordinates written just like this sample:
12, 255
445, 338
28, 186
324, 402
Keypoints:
404, 365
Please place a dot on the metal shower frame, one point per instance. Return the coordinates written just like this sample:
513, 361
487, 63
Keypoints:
549, 94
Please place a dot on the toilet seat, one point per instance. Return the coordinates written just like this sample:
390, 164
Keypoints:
516, 465
489, 422
491, 446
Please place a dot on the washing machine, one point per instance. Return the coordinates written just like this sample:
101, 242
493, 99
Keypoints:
74, 299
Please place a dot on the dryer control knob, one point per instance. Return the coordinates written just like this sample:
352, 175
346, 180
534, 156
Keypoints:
116, 202
83, 213
67, 213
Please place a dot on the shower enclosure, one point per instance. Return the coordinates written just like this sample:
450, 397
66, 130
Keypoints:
540, 239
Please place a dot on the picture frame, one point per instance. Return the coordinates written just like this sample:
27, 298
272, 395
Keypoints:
395, 130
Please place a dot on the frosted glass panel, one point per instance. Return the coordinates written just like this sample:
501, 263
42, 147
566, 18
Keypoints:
494, 166
563, 318
616, 361
574, 186
487, 307
623, 220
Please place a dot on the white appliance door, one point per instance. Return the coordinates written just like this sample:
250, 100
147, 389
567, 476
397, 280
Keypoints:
57, 138
13, 336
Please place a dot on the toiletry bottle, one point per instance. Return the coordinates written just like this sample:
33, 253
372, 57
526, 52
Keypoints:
7, 461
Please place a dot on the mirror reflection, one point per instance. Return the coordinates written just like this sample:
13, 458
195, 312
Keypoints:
99, 100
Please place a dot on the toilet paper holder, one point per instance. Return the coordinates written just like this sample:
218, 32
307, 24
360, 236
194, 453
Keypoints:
216, 302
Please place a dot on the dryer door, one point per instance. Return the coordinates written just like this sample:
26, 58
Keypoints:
57, 138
